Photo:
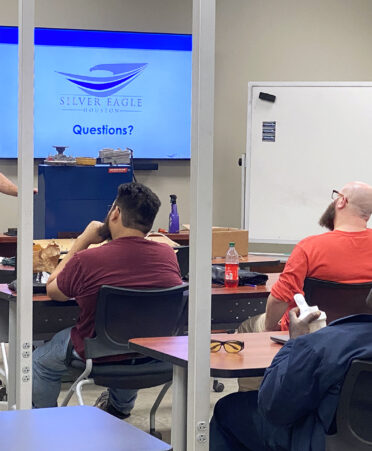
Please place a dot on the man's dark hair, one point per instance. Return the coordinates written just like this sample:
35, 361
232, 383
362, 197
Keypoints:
138, 206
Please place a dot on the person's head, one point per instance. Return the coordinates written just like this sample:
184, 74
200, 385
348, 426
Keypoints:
135, 208
352, 205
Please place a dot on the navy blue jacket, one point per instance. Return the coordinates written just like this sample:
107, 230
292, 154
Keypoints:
301, 388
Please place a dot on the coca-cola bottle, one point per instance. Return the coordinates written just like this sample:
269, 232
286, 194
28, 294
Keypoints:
231, 267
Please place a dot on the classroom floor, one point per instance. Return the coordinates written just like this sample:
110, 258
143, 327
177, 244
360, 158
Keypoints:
146, 397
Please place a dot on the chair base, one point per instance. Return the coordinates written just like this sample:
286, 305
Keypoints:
83, 379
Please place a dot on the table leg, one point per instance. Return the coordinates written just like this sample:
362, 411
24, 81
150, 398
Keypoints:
179, 408
11, 388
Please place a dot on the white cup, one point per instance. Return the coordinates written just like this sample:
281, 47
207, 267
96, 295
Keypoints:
318, 323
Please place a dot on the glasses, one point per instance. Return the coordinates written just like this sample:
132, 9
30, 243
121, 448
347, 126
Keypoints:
231, 346
111, 207
336, 194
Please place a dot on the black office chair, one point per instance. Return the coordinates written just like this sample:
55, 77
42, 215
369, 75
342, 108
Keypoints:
123, 314
183, 260
337, 299
354, 412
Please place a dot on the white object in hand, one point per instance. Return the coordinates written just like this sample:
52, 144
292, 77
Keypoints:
306, 309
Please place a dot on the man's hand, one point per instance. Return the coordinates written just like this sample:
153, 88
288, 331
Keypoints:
83, 241
299, 327
91, 234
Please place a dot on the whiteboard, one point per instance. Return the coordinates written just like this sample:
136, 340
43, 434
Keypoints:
323, 140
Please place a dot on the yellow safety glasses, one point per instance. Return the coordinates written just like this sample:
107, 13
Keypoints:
232, 346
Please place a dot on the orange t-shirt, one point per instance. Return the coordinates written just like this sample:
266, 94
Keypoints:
337, 256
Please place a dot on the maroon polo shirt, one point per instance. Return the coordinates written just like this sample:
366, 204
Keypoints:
131, 262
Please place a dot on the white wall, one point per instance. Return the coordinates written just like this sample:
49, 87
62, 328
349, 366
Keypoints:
255, 40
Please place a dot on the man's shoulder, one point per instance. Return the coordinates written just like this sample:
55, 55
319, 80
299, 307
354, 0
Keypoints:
93, 251
334, 235
316, 238
120, 244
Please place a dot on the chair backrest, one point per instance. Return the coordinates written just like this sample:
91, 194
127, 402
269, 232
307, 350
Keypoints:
354, 412
337, 299
183, 260
124, 313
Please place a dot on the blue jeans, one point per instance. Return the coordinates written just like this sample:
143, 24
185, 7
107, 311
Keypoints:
48, 366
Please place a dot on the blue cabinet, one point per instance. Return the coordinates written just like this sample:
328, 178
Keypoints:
70, 197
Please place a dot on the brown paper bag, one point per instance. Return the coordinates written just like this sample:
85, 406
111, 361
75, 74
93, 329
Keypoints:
45, 259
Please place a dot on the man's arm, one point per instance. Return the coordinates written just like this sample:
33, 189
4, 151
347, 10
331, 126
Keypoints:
275, 309
7, 186
292, 385
290, 282
83, 241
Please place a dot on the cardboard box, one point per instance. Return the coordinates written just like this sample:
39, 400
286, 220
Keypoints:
222, 236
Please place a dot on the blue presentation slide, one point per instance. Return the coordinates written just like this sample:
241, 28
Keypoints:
96, 90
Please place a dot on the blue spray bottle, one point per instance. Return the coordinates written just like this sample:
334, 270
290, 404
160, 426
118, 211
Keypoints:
174, 220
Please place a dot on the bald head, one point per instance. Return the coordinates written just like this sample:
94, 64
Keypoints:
359, 197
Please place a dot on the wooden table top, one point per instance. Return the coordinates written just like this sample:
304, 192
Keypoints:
7, 239
256, 356
6, 268
9, 295
250, 258
181, 237
88, 428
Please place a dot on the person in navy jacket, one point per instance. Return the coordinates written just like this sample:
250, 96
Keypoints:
296, 404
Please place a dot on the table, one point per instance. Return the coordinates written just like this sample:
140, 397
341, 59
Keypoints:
49, 317
258, 263
252, 361
181, 237
8, 245
230, 306
7, 273
78, 428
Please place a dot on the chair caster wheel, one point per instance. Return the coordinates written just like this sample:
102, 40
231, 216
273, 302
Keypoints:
218, 387
156, 434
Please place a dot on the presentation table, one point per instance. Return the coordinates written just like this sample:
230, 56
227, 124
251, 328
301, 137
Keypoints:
78, 428
252, 361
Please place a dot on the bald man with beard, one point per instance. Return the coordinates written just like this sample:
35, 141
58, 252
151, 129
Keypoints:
344, 254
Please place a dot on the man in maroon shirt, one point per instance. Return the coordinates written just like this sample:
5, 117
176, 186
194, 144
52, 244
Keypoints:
128, 260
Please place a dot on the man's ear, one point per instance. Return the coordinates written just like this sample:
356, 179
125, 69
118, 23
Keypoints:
341, 203
115, 214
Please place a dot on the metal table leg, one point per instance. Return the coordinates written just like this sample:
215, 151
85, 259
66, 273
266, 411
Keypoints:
179, 408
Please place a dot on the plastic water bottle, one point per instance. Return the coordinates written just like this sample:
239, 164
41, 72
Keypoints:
231, 267
174, 220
